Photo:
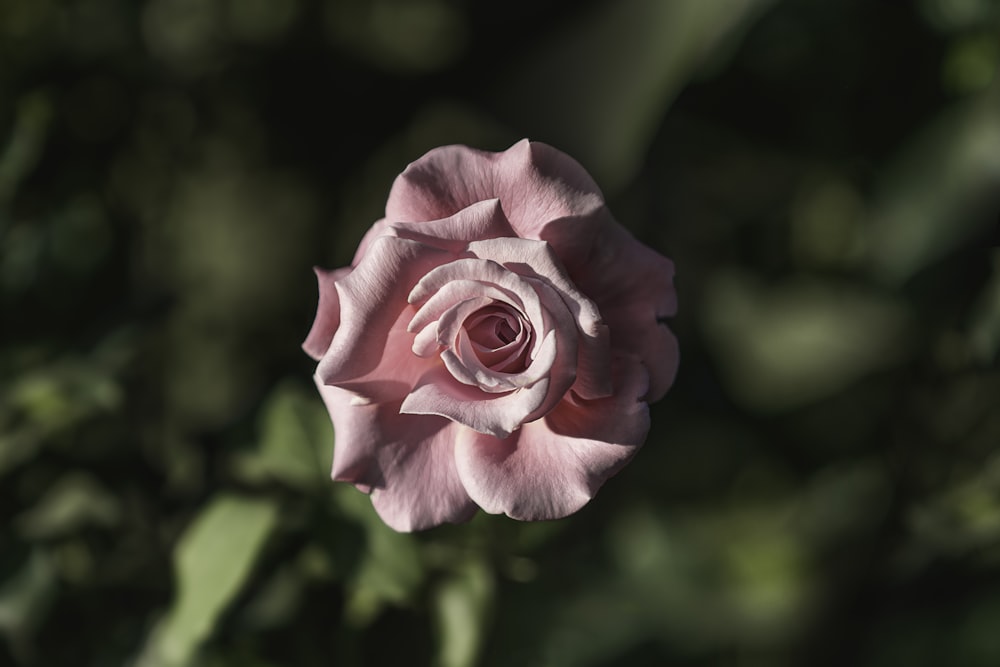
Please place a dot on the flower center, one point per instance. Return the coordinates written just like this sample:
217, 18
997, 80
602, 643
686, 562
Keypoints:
499, 337
504, 331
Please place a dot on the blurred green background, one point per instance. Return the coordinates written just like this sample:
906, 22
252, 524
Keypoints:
820, 487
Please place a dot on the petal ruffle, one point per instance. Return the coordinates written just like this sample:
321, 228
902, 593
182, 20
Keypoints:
327, 312
633, 287
497, 414
371, 351
406, 463
536, 184
482, 220
537, 260
380, 228
550, 468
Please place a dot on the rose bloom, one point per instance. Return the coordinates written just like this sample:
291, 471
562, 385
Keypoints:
494, 343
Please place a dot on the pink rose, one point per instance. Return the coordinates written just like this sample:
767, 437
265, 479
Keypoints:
494, 343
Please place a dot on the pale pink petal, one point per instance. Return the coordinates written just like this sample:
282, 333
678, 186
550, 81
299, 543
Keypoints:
471, 277
536, 184
438, 392
550, 468
537, 259
547, 314
380, 228
371, 352
441, 183
633, 287
436, 322
497, 338
327, 312
354, 452
451, 321
466, 367
425, 343
481, 220
422, 487
443, 294
554, 328
407, 463
494, 328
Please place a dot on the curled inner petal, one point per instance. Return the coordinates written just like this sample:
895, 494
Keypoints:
486, 322
493, 328
497, 337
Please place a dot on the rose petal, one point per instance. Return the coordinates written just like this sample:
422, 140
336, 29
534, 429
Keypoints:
550, 468
438, 392
555, 322
505, 357
380, 228
467, 368
371, 351
494, 378
406, 463
469, 278
494, 328
327, 312
538, 260
547, 313
536, 184
633, 287
444, 294
573, 238
539, 184
481, 220
441, 183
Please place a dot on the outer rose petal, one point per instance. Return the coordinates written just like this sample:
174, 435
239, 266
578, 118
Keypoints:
441, 183
535, 183
406, 463
633, 287
371, 346
482, 220
380, 228
552, 467
327, 313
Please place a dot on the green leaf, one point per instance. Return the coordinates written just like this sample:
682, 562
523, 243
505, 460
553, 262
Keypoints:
54, 398
462, 604
77, 499
25, 599
926, 207
295, 440
391, 568
212, 561
783, 347
18, 160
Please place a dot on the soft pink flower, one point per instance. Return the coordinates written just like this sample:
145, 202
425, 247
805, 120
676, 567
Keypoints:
494, 343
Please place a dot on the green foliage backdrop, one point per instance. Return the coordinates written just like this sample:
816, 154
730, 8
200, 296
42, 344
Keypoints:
821, 486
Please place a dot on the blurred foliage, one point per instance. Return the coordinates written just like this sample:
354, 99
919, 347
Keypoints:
821, 486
